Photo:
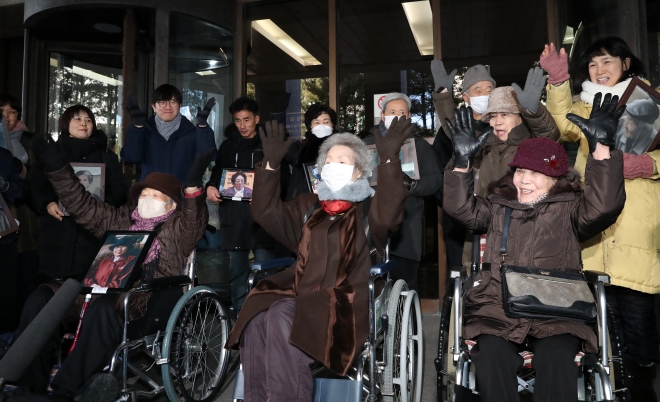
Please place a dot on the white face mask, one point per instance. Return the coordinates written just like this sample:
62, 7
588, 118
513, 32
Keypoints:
151, 208
322, 131
479, 103
337, 175
388, 121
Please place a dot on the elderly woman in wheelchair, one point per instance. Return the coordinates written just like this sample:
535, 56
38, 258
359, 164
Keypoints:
179, 220
318, 308
542, 212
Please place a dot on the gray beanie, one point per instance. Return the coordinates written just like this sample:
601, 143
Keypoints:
501, 100
476, 74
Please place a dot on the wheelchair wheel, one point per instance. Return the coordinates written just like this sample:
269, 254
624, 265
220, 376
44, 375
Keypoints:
194, 343
445, 362
402, 377
618, 373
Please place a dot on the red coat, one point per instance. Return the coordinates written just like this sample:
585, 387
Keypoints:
110, 273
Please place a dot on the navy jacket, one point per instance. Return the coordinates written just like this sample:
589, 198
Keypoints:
147, 148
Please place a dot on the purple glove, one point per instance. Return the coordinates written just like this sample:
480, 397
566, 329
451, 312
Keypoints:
555, 64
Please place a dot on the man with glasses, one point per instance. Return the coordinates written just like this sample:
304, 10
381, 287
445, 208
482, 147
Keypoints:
166, 142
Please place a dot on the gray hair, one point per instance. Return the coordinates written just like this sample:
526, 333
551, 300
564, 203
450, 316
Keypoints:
352, 141
392, 96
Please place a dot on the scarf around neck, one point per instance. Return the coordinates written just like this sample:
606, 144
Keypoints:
590, 89
353, 192
166, 129
141, 223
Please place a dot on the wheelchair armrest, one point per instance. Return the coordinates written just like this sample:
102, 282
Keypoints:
167, 281
272, 264
383, 268
597, 276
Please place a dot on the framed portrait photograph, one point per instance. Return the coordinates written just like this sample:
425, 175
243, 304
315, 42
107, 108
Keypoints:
407, 155
639, 127
92, 177
236, 184
8, 224
313, 177
118, 262
5, 141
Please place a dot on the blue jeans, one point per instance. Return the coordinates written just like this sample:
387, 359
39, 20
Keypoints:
239, 271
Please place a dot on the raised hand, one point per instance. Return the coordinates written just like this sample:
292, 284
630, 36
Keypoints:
440, 76
466, 142
555, 64
273, 143
46, 152
530, 96
138, 115
601, 126
203, 114
388, 147
196, 172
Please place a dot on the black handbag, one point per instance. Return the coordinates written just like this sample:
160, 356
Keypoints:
543, 293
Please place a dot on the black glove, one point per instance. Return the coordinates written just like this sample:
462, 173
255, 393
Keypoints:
388, 147
530, 96
602, 123
409, 182
466, 142
273, 143
46, 152
4, 185
196, 172
203, 114
138, 115
282, 102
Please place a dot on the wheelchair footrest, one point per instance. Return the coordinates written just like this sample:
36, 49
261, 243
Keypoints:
337, 390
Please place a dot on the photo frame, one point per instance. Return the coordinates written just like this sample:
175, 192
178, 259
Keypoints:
312, 177
236, 184
407, 155
5, 140
8, 224
92, 177
118, 262
639, 127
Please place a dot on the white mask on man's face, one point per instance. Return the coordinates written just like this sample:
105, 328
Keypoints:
388, 121
321, 131
479, 104
150, 208
337, 175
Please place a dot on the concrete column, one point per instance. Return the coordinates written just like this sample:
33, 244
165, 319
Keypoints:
162, 47
333, 57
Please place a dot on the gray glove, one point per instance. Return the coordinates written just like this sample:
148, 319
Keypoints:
440, 76
529, 97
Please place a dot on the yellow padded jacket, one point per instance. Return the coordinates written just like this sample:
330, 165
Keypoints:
629, 250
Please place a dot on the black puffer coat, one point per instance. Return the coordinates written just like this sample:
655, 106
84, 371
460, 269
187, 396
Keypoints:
65, 248
238, 229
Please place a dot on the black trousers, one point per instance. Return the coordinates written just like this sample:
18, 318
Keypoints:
406, 269
101, 333
496, 363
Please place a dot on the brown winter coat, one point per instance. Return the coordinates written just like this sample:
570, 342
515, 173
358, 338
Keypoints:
330, 278
546, 235
178, 235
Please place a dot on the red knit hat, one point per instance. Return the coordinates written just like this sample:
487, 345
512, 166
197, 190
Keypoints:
163, 182
541, 155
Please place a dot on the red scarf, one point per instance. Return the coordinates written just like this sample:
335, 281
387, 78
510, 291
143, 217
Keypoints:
334, 207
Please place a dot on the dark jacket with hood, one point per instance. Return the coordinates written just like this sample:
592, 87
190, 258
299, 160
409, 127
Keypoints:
546, 235
407, 241
329, 281
301, 153
147, 148
65, 248
238, 230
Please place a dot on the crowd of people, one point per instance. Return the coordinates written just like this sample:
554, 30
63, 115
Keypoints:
501, 152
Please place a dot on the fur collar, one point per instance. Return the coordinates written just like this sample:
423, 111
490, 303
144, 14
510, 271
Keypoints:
590, 89
570, 182
357, 191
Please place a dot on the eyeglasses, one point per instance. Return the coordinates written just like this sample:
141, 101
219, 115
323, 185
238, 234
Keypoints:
172, 103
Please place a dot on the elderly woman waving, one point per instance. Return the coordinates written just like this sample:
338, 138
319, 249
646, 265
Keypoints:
318, 308
550, 215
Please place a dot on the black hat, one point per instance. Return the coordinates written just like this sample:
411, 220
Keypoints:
163, 182
127, 241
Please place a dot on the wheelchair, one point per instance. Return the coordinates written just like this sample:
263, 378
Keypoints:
456, 380
391, 363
